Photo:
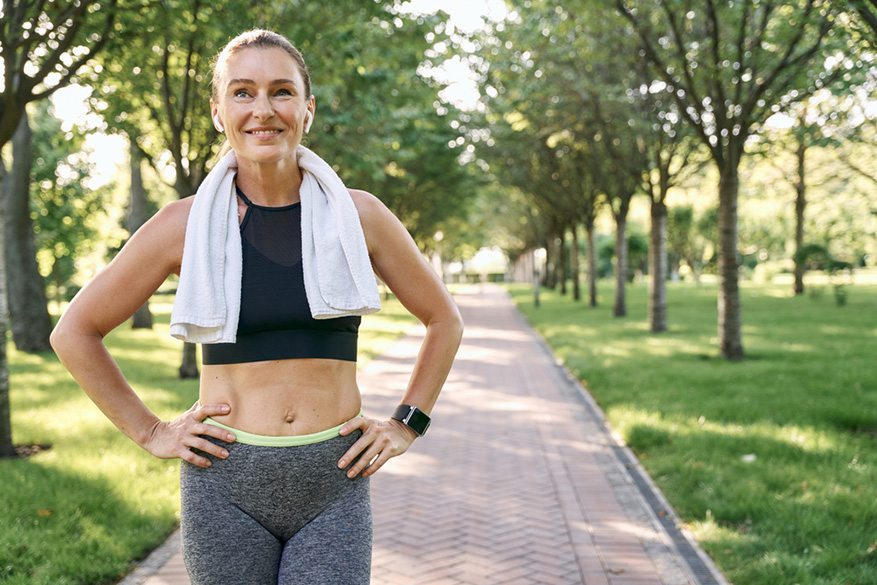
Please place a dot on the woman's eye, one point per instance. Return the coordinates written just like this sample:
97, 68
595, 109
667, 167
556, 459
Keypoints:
241, 93
284, 92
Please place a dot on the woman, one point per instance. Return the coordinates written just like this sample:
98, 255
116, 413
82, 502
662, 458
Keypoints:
276, 455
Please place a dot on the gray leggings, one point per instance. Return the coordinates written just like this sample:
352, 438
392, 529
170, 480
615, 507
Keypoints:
276, 516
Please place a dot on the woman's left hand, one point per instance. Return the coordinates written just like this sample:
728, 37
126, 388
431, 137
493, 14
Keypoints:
380, 441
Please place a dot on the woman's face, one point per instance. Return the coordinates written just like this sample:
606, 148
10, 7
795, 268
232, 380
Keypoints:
261, 104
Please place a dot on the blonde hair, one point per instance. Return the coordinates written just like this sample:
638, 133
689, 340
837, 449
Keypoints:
258, 39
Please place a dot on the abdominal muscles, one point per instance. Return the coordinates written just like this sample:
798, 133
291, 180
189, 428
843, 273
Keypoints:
283, 397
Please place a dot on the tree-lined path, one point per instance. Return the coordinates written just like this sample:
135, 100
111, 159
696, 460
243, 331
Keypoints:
516, 482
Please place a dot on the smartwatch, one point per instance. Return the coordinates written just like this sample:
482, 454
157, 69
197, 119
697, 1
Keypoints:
412, 417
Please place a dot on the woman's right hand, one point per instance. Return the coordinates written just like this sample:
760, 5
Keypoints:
176, 439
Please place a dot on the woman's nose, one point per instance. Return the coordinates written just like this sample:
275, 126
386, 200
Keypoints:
263, 109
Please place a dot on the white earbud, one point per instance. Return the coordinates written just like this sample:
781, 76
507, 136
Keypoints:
218, 124
309, 119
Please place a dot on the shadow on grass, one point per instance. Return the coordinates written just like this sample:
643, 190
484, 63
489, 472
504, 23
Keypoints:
746, 492
80, 514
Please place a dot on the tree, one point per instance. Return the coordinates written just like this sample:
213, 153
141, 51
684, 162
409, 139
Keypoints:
138, 213
729, 66
7, 449
379, 122
28, 310
43, 46
66, 206
587, 63
668, 148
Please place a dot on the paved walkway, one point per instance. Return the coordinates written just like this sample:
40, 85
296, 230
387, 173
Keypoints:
518, 481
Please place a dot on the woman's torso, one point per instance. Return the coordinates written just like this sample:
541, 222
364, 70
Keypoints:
307, 394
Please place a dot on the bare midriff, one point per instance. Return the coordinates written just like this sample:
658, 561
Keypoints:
283, 397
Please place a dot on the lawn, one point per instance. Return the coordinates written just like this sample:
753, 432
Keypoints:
770, 462
82, 511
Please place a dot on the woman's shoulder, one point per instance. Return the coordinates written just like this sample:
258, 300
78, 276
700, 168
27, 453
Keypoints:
167, 228
369, 207
173, 216
177, 210
363, 199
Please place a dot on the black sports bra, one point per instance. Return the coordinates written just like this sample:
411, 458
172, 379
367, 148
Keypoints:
275, 320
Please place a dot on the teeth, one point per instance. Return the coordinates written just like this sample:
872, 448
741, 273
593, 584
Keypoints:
265, 132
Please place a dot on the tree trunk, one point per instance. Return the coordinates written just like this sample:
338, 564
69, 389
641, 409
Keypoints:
730, 314
621, 264
592, 264
6, 447
673, 267
137, 216
658, 268
28, 308
189, 367
800, 206
548, 272
562, 268
574, 263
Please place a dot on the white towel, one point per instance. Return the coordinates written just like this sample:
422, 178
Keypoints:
208, 300
338, 276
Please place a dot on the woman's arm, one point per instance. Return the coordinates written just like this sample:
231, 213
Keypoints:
402, 267
108, 300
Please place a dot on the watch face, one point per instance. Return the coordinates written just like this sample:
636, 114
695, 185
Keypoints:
413, 417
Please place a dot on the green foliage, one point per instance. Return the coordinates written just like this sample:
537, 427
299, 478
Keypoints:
689, 235
863, 21
817, 257
637, 255
770, 463
45, 44
377, 121
83, 511
737, 63
63, 208
153, 85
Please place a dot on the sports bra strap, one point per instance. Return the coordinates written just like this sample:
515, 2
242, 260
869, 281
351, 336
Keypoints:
242, 196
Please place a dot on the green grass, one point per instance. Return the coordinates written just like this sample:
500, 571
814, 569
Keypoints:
81, 512
770, 462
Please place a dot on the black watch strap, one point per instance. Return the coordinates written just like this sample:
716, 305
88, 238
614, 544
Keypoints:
411, 416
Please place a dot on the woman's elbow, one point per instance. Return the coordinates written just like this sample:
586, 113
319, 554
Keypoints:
66, 336
59, 338
456, 325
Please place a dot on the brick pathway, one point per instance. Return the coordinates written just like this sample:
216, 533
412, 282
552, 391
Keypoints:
517, 482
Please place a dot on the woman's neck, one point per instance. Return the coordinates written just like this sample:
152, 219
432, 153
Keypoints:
273, 184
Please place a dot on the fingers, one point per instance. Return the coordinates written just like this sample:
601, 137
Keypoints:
380, 441
200, 412
185, 436
203, 446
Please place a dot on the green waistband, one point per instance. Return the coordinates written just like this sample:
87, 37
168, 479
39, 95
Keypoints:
282, 441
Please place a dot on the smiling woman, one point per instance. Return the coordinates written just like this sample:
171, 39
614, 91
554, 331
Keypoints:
277, 262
